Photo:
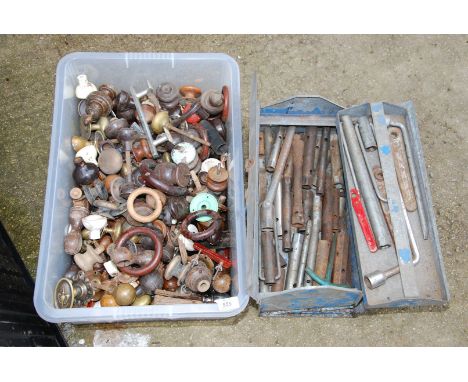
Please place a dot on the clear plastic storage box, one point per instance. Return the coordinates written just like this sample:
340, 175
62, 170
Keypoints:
123, 70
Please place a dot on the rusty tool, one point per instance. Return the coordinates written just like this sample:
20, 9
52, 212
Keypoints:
270, 259
379, 179
323, 160
402, 168
310, 142
286, 206
297, 219
414, 176
314, 235
273, 157
363, 182
337, 170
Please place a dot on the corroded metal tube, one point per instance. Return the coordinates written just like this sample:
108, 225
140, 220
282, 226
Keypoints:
335, 158
321, 262
323, 160
269, 258
367, 134
286, 206
340, 266
314, 235
294, 258
310, 138
297, 219
328, 207
304, 252
273, 157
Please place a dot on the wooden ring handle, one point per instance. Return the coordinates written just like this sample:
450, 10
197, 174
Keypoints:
131, 209
158, 250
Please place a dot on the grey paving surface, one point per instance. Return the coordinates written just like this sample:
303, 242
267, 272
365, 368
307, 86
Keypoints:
430, 70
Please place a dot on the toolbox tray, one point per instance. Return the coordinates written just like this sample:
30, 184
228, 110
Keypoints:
303, 111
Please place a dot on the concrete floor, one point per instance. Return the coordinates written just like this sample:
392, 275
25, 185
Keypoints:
430, 70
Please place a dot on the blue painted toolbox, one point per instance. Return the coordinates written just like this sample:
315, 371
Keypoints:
406, 271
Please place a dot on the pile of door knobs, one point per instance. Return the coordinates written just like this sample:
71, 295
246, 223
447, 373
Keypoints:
149, 217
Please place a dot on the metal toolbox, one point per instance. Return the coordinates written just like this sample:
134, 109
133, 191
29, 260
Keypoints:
414, 285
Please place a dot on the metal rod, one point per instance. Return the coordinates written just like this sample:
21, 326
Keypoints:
314, 236
310, 138
286, 206
417, 185
146, 128
304, 252
369, 170
273, 157
297, 219
278, 286
271, 270
293, 263
372, 205
335, 158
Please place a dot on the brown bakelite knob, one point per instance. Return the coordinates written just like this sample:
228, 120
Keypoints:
85, 173
141, 150
171, 284
167, 94
98, 104
110, 161
149, 112
114, 126
190, 92
109, 90
222, 282
212, 101
173, 174
217, 179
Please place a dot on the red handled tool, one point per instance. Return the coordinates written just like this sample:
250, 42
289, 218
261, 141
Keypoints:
362, 218
224, 261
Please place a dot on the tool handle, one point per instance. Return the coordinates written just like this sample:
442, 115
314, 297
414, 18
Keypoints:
213, 255
363, 221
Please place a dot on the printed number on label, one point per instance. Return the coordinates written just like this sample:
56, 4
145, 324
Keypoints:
227, 304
